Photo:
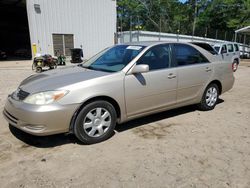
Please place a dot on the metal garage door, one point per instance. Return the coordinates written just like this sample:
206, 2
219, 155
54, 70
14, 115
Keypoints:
63, 43
68, 44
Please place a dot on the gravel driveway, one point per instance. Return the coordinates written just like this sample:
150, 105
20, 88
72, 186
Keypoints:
178, 148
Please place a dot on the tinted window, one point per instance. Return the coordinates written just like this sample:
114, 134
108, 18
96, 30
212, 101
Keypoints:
236, 47
187, 55
224, 48
230, 48
158, 57
217, 48
206, 47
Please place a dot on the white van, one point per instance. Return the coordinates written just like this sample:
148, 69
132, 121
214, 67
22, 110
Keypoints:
230, 52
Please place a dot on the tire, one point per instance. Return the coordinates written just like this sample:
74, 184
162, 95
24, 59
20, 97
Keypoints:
235, 65
95, 122
33, 66
39, 69
209, 101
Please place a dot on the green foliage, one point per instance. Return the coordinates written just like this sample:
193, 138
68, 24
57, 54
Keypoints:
176, 17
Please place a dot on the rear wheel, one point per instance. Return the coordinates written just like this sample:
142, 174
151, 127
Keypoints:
209, 98
95, 122
235, 65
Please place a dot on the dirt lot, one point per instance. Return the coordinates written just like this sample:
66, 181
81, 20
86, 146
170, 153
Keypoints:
178, 148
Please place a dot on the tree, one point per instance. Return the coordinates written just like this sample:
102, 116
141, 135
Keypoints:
207, 16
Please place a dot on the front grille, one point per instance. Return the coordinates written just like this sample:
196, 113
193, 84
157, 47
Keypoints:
22, 94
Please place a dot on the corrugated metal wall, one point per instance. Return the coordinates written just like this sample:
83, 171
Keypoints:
92, 22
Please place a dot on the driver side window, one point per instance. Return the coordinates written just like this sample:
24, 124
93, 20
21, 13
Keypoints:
158, 57
224, 49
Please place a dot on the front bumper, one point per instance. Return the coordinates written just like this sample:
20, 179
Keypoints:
39, 120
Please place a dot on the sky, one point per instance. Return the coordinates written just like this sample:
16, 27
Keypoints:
183, 1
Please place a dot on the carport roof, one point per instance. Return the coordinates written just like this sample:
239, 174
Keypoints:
244, 30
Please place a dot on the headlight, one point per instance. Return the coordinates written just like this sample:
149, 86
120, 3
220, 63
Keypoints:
46, 97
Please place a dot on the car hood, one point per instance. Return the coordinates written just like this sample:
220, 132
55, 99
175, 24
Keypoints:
55, 79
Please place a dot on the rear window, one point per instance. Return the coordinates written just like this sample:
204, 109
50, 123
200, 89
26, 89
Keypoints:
206, 47
236, 47
187, 55
230, 48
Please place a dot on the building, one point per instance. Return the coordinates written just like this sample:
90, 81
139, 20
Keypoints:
56, 26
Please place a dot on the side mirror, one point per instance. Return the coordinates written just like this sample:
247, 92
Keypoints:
140, 69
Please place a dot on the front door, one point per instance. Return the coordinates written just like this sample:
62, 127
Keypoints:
155, 89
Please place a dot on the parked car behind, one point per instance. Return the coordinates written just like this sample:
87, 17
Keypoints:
119, 84
230, 52
244, 52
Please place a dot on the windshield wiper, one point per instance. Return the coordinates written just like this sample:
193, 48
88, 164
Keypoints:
86, 67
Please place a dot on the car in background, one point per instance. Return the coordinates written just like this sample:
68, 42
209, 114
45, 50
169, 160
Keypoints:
206, 46
121, 83
3, 55
244, 52
230, 52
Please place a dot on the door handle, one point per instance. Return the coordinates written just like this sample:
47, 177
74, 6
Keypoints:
208, 69
171, 75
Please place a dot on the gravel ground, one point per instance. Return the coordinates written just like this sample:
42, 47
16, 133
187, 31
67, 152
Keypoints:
178, 148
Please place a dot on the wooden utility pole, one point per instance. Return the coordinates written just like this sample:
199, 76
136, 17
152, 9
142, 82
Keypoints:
195, 14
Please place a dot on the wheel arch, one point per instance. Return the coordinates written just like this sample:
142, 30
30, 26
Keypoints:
218, 83
236, 59
104, 98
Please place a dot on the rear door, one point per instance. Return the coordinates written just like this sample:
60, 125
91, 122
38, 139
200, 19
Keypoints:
155, 89
225, 53
231, 53
236, 50
193, 71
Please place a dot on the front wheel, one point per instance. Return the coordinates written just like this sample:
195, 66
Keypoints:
95, 122
209, 98
39, 69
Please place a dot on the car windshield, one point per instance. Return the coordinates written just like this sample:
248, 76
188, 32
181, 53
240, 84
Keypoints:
113, 59
217, 48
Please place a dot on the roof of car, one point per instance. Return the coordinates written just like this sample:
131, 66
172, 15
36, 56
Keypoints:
149, 43
152, 43
145, 43
223, 43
